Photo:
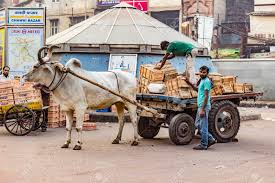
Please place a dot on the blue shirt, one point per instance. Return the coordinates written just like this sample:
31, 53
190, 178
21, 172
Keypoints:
205, 84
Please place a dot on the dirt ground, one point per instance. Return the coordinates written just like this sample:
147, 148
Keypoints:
38, 158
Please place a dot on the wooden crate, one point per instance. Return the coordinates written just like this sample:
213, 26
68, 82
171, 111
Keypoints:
53, 108
53, 124
228, 87
194, 93
148, 72
229, 79
248, 88
185, 93
9, 84
238, 88
88, 126
217, 90
182, 82
215, 78
54, 114
27, 94
8, 96
4, 91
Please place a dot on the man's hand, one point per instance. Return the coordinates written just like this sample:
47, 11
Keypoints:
202, 113
158, 66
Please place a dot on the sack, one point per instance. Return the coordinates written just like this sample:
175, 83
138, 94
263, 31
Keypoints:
156, 88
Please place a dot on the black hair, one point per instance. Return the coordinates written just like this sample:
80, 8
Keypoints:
205, 68
164, 44
6, 67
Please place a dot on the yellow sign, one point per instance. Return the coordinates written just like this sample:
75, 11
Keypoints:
2, 47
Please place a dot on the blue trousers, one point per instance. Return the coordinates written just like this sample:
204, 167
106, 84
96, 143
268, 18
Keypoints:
202, 125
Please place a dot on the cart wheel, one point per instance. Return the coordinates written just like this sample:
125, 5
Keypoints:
40, 118
145, 129
19, 120
224, 121
181, 129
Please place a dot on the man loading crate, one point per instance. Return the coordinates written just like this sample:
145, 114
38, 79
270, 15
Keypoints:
178, 48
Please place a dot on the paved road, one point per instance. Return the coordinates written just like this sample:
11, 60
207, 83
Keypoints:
38, 158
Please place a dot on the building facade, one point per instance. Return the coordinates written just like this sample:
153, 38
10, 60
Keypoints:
262, 20
262, 30
237, 19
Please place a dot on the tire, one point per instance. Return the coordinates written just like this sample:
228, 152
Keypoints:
224, 121
181, 129
145, 129
19, 120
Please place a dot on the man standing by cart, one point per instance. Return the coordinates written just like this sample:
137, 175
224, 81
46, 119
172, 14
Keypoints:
45, 92
204, 106
178, 48
5, 76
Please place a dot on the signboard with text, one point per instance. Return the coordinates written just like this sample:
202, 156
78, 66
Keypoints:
139, 4
2, 17
107, 2
26, 16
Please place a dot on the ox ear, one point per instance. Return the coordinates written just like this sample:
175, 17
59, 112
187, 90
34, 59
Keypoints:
59, 66
73, 63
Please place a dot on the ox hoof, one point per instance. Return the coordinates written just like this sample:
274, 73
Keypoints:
77, 147
116, 141
65, 146
134, 143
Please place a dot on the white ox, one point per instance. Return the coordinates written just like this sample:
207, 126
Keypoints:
76, 95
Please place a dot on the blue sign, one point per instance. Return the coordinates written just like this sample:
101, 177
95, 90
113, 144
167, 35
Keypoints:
107, 2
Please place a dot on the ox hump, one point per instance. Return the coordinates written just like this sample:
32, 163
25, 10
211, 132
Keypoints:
73, 63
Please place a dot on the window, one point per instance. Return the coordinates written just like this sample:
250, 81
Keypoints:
76, 20
55, 1
54, 26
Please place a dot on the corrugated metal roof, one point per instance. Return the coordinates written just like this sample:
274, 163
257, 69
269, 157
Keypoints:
121, 25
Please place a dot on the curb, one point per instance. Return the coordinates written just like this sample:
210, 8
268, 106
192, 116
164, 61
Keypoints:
251, 117
257, 105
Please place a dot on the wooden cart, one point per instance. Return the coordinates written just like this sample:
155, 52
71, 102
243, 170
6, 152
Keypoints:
180, 114
21, 109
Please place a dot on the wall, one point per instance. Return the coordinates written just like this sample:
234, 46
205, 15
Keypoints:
259, 72
264, 2
265, 8
162, 5
262, 25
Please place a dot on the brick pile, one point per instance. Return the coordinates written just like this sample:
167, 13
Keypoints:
57, 118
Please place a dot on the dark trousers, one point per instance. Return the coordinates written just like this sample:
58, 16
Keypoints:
46, 102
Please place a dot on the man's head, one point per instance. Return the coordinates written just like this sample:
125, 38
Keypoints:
6, 71
204, 71
164, 45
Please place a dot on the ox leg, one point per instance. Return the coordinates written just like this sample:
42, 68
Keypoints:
120, 115
79, 125
69, 124
133, 115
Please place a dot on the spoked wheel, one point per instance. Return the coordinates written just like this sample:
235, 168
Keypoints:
39, 119
19, 120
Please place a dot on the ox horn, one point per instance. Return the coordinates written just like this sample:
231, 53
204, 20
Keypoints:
49, 54
39, 56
